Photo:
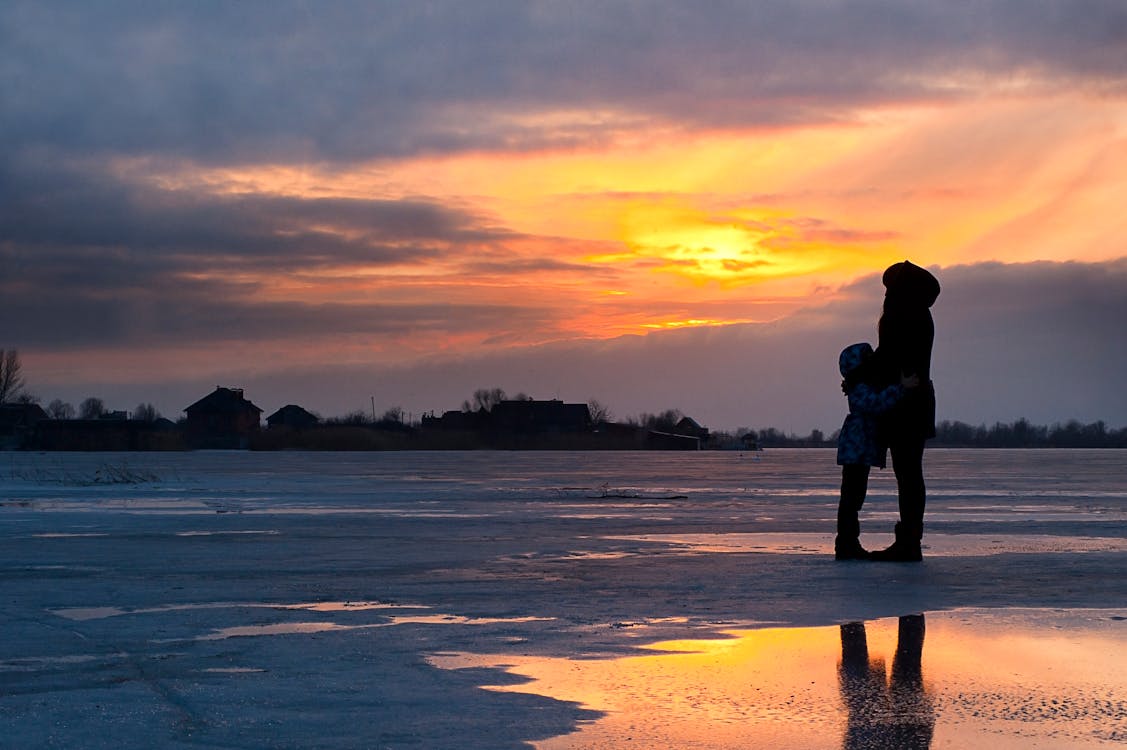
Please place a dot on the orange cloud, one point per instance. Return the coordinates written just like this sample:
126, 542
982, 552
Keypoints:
668, 223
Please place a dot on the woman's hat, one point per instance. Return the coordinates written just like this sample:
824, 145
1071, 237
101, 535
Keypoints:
907, 281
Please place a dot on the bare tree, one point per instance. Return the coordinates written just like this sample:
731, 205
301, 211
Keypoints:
394, 414
146, 413
600, 412
11, 379
356, 418
485, 398
91, 408
664, 422
59, 409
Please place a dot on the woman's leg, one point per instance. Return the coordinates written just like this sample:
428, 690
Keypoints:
907, 463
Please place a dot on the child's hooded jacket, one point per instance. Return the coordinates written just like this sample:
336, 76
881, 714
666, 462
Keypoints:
860, 440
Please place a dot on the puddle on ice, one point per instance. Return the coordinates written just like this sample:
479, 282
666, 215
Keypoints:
268, 532
971, 678
460, 620
935, 545
349, 606
278, 628
39, 663
80, 614
306, 628
98, 613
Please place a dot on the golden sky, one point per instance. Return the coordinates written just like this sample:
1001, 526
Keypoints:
373, 185
673, 227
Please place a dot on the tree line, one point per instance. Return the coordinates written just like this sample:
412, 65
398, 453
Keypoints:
954, 434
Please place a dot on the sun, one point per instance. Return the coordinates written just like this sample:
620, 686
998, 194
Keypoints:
729, 248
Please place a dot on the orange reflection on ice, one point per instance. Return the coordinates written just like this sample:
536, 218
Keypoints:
1009, 680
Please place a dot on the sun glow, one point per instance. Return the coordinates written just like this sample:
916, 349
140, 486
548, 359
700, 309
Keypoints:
692, 322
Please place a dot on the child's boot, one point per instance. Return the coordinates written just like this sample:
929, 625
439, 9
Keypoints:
847, 545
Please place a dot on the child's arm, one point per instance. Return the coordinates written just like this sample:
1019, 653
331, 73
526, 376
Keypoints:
864, 399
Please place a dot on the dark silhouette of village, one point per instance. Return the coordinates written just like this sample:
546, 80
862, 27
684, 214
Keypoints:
227, 419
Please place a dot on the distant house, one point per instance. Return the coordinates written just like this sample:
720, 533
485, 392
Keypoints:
539, 417
520, 418
18, 422
457, 420
689, 426
222, 419
668, 441
111, 434
293, 417
750, 442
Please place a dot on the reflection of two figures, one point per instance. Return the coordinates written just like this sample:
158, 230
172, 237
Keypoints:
891, 713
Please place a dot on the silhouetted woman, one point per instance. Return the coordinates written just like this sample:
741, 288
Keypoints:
906, 334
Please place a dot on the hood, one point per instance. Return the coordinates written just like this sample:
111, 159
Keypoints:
852, 356
910, 283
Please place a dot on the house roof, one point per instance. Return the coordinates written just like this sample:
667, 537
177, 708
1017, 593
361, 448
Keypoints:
223, 400
21, 414
689, 426
541, 413
292, 411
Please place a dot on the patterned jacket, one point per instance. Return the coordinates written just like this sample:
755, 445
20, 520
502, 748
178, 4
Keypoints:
860, 440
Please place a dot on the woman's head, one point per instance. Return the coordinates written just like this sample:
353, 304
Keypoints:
906, 284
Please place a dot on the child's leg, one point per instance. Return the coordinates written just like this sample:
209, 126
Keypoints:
854, 486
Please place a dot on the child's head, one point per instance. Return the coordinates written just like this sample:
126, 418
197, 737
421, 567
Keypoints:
853, 356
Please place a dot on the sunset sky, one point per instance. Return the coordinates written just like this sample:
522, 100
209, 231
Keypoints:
656, 205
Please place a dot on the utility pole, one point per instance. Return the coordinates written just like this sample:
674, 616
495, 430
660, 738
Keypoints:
373, 409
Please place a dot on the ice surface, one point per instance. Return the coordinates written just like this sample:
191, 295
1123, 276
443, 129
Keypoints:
500, 600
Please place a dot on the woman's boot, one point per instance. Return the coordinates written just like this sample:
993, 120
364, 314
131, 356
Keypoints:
906, 548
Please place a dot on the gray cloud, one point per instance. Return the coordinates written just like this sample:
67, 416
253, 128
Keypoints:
189, 318
295, 81
50, 205
89, 260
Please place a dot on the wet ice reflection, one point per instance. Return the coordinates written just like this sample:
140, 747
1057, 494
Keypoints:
976, 678
885, 711
935, 545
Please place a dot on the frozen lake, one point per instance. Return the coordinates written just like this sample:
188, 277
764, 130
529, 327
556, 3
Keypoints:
556, 600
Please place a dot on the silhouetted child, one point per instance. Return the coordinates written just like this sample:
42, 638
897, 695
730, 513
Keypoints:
860, 444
